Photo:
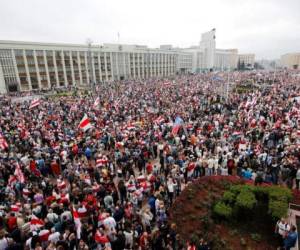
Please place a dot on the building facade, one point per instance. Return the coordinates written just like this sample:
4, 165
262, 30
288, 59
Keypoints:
290, 61
206, 56
247, 59
226, 59
208, 47
28, 66
184, 62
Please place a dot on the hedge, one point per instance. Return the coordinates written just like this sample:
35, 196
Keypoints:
278, 209
246, 199
247, 196
222, 210
229, 197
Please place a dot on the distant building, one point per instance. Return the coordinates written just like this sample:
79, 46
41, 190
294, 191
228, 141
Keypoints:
26, 66
247, 59
208, 46
226, 59
184, 62
290, 61
207, 57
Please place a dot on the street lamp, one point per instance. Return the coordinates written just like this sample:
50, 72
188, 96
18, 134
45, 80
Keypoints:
90, 66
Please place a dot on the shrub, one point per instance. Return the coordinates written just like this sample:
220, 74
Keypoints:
278, 209
280, 194
222, 210
246, 199
229, 197
236, 189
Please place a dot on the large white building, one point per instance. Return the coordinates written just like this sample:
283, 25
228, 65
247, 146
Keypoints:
28, 66
208, 47
207, 57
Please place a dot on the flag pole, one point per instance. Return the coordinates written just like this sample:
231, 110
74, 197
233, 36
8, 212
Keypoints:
227, 86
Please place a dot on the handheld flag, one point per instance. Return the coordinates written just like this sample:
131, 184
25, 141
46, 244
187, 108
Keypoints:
85, 123
35, 103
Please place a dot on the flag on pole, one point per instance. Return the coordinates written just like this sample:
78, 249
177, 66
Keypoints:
19, 174
177, 124
77, 223
34, 103
96, 103
85, 123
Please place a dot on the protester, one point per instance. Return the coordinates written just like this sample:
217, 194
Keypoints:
100, 170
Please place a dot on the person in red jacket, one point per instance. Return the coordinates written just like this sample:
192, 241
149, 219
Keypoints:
144, 241
149, 168
11, 222
55, 168
75, 149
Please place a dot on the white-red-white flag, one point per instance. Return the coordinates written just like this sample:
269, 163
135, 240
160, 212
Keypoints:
96, 103
3, 142
85, 123
36, 223
34, 103
16, 207
77, 223
44, 235
12, 180
101, 238
159, 120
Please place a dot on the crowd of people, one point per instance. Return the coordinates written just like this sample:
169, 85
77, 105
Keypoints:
100, 171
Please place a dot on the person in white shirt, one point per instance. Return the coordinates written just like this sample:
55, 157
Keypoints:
110, 223
210, 167
3, 243
282, 228
170, 186
215, 163
65, 216
54, 236
128, 238
52, 217
224, 171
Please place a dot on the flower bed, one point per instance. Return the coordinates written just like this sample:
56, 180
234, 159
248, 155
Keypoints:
208, 208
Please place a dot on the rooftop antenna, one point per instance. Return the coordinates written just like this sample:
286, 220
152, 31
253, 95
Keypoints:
118, 37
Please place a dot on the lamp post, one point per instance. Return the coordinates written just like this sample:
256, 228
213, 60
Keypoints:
90, 66
227, 86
